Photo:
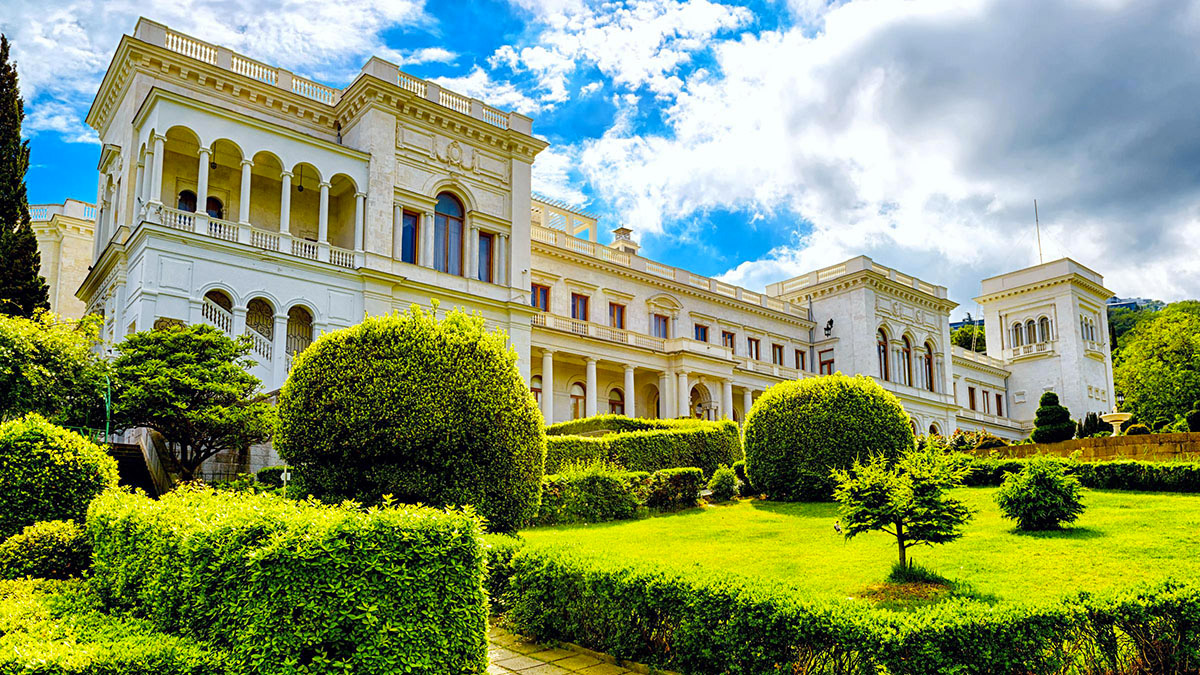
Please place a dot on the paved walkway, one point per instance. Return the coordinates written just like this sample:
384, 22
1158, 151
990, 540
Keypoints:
511, 653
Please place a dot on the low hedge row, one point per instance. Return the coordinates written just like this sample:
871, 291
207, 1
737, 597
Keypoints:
719, 624
1126, 474
644, 445
601, 492
54, 628
291, 587
52, 549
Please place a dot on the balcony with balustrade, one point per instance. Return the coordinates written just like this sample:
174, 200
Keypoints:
1028, 351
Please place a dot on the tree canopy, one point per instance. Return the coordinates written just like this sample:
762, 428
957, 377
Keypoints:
51, 367
970, 336
1158, 369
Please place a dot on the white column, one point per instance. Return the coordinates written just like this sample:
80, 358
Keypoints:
157, 177
285, 203
727, 399
360, 209
147, 175
239, 321
244, 196
323, 215
666, 404
684, 395
202, 182
590, 401
747, 403
630, 394
473, 246
279, 351
425, 242
139, 184
548, 386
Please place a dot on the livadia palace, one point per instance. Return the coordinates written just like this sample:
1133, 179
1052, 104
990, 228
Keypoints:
236, 193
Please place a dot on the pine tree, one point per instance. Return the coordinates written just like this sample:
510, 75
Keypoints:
23, 291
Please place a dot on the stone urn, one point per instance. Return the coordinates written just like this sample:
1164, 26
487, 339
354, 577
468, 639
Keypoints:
1116, 419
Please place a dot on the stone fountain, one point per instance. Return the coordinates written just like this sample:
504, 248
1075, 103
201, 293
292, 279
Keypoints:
1116, 419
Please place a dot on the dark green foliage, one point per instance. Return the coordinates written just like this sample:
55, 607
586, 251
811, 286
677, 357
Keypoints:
798, 431
591, 493
288, 587
990, 442
499, 550
672, 489
1158, 370
1091, 426
48, 473
272, 475
1041, 496
906, 499
1193, 417
1052, 424
724, 484
23, 291
970, 337
191, 384
428, 411
57, 628
915, 574
644, 445
52, 367
744, 487
1137, 430
52, 549
1125, 474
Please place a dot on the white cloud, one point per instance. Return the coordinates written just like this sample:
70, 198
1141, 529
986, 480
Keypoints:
554, 176
590, 88
478, 84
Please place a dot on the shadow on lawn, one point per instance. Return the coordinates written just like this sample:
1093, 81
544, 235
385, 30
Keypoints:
1065, 533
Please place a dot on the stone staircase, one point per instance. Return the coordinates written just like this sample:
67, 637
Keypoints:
131, 466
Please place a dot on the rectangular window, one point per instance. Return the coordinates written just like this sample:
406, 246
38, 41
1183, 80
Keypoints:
410, 222
801, 358
825, 361
971, 397
661, 326
701, 333
540, 297
999, 406
752, 349
486, 240
987, 402
777, 354
579, 307
616, 315
729, 340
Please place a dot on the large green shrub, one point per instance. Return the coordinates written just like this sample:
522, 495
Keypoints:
428, 411
591, 493
51, 366
723, 484
1137, 430
1052, 423
1123, 474
48, 473
52, 549
674, 488
1041, 496
798, 431
291, 587
644, 445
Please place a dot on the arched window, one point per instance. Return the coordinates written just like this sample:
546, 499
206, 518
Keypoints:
881, 339
215, 209
906, 353
928, 366
535, 386
299, 330
934, 430
187, 201
1044, 329
448, 234
578, 401
616, 402
913, 424
1016, 335
260, 318
1030, 332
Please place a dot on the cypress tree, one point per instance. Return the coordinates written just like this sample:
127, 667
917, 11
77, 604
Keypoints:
22, 289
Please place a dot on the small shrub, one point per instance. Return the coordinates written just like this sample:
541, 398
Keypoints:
744, 487
53, 549
644, 445
913, 573
271, 475
1041, 496
591, 493
48, 473
1052, 422
797, 432
1137, 430
989, 442
672, 489
723, 484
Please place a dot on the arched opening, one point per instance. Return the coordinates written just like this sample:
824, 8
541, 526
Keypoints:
652, 402
535, 386
266, 193
616, 402
701, 405
1044, 329
881, 344
934, 430
928, 356
1017, 341
912, 424
186, 201
224, 180
1030, 332
180, 168
448, 234
299, 330
306, 201
578, 401
341, 212
215, 208
906, 353
217, 309
260, 318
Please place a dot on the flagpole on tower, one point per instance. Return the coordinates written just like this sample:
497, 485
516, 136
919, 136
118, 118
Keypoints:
1038, 228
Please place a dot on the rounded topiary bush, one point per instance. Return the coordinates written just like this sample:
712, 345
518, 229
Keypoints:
798, 431
48, 473
723, 484
1041, 496
1052, 422
1138, 430
427, 411
53, 549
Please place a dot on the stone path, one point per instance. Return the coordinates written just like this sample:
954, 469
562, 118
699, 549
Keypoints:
510, 653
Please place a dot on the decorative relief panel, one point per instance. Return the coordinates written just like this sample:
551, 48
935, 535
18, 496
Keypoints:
453, 154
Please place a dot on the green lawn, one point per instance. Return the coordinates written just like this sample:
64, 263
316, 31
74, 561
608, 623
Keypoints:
1122, 538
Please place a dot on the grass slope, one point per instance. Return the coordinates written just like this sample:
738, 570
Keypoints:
1122, 538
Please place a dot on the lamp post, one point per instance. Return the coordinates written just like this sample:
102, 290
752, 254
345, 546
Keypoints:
107, 406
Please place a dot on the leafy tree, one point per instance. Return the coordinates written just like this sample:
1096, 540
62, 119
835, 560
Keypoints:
23, 291
1158, 371
969, 336
1052, 422
191, 384
50, 366
908, 500
1041, 496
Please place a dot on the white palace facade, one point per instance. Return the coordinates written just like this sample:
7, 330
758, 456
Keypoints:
239, 194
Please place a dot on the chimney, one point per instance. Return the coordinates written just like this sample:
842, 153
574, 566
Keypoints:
622, 241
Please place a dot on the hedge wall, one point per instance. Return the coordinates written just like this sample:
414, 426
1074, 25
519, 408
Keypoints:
288, 587
644, 445
1114, 475
718, 624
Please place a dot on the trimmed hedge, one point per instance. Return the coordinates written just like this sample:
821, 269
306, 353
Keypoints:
798, 431
288, 587
1125, 474
593, 493
644, 445
672, 489
48, 473
271, 475
54, 628
53, 549
428, 411
716, 624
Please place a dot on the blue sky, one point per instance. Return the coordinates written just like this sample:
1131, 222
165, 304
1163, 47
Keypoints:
758, 140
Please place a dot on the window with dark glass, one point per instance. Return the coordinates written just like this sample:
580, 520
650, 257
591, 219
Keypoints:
801, 357
486, 241
777, 354
578, 401
999, 405
409, 224
661, 326
906, 356
701, 333
187, 201
448, 234
579, 307
971, 397
928, 365
535, 386
752, 349
616, 402
729, 340
881, 344
825, 361
616, 315
540, 297
987, 402
214, 208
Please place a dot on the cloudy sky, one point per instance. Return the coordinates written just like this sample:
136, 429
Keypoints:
757, 140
